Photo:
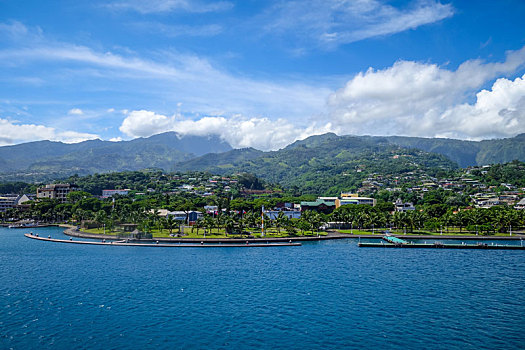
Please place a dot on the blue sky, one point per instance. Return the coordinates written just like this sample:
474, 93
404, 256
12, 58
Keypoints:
261, 73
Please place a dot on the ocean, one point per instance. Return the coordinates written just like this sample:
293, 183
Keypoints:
322, 295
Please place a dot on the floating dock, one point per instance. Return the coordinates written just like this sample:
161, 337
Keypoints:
438, 245
172, 245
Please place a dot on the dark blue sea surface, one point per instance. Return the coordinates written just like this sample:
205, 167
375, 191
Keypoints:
322, 295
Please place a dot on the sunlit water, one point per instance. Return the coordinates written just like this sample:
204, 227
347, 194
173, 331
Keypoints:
322, 295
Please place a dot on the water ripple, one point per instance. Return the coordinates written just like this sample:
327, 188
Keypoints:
321, 295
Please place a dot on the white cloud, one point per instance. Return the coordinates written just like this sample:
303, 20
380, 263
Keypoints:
192, 80
160, 6
335, 22
13, 132
145, 123
239, 131
499, 112
75, 111
419, 99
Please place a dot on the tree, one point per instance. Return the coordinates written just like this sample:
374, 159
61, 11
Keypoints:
100, 217
77, 196
313, 218
198, 224
209, 223
229, 224
170, 223
281, 221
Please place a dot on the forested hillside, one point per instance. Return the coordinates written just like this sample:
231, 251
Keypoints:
327, 163
468, 153
42, 160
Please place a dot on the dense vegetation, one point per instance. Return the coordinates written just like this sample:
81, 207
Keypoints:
437, 209
243, 215
468, 153
512, 173
45, 160
328, 164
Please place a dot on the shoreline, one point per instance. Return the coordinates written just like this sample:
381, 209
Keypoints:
73, 232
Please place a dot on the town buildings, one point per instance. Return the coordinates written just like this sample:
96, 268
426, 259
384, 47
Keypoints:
12, 201
56, 191
327, 204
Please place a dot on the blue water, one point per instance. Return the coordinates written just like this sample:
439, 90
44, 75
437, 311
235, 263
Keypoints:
322, 295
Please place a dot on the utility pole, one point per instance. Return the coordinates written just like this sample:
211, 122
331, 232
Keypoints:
262, 221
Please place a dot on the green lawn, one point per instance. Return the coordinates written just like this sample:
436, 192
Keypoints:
215, 233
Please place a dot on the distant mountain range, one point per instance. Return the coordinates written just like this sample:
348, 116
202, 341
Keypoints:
44, 160
34, 161
468, 153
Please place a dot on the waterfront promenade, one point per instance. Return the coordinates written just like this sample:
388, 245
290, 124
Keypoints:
72, 231
171, 245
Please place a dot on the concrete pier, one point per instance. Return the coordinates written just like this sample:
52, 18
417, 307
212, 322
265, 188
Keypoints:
170, 245
442, 246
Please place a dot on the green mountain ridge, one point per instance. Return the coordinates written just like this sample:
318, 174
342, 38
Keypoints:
468, 153
327, 153
159, 151
326, 163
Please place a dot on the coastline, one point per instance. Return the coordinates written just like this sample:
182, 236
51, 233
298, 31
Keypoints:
73, 232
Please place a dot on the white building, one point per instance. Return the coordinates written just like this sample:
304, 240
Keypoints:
11, 201
111, 193
400, 206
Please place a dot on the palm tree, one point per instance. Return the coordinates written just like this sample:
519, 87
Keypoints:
209, 223
418, 219
100, 217
280, 221
198, 224
448, 219
314, 219
229, 224
170, 223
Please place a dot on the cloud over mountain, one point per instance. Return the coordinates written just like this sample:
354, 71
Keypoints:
421, 99
239, 131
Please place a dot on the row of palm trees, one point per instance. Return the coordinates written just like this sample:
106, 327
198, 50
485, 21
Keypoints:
496, 219
238, 223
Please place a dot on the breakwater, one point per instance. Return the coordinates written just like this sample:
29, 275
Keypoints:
171, 245
442, 246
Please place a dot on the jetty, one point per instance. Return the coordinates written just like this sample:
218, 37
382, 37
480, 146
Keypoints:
439, 245
134, 243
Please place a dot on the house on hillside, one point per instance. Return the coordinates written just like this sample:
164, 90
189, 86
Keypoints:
400, 206
520, 205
